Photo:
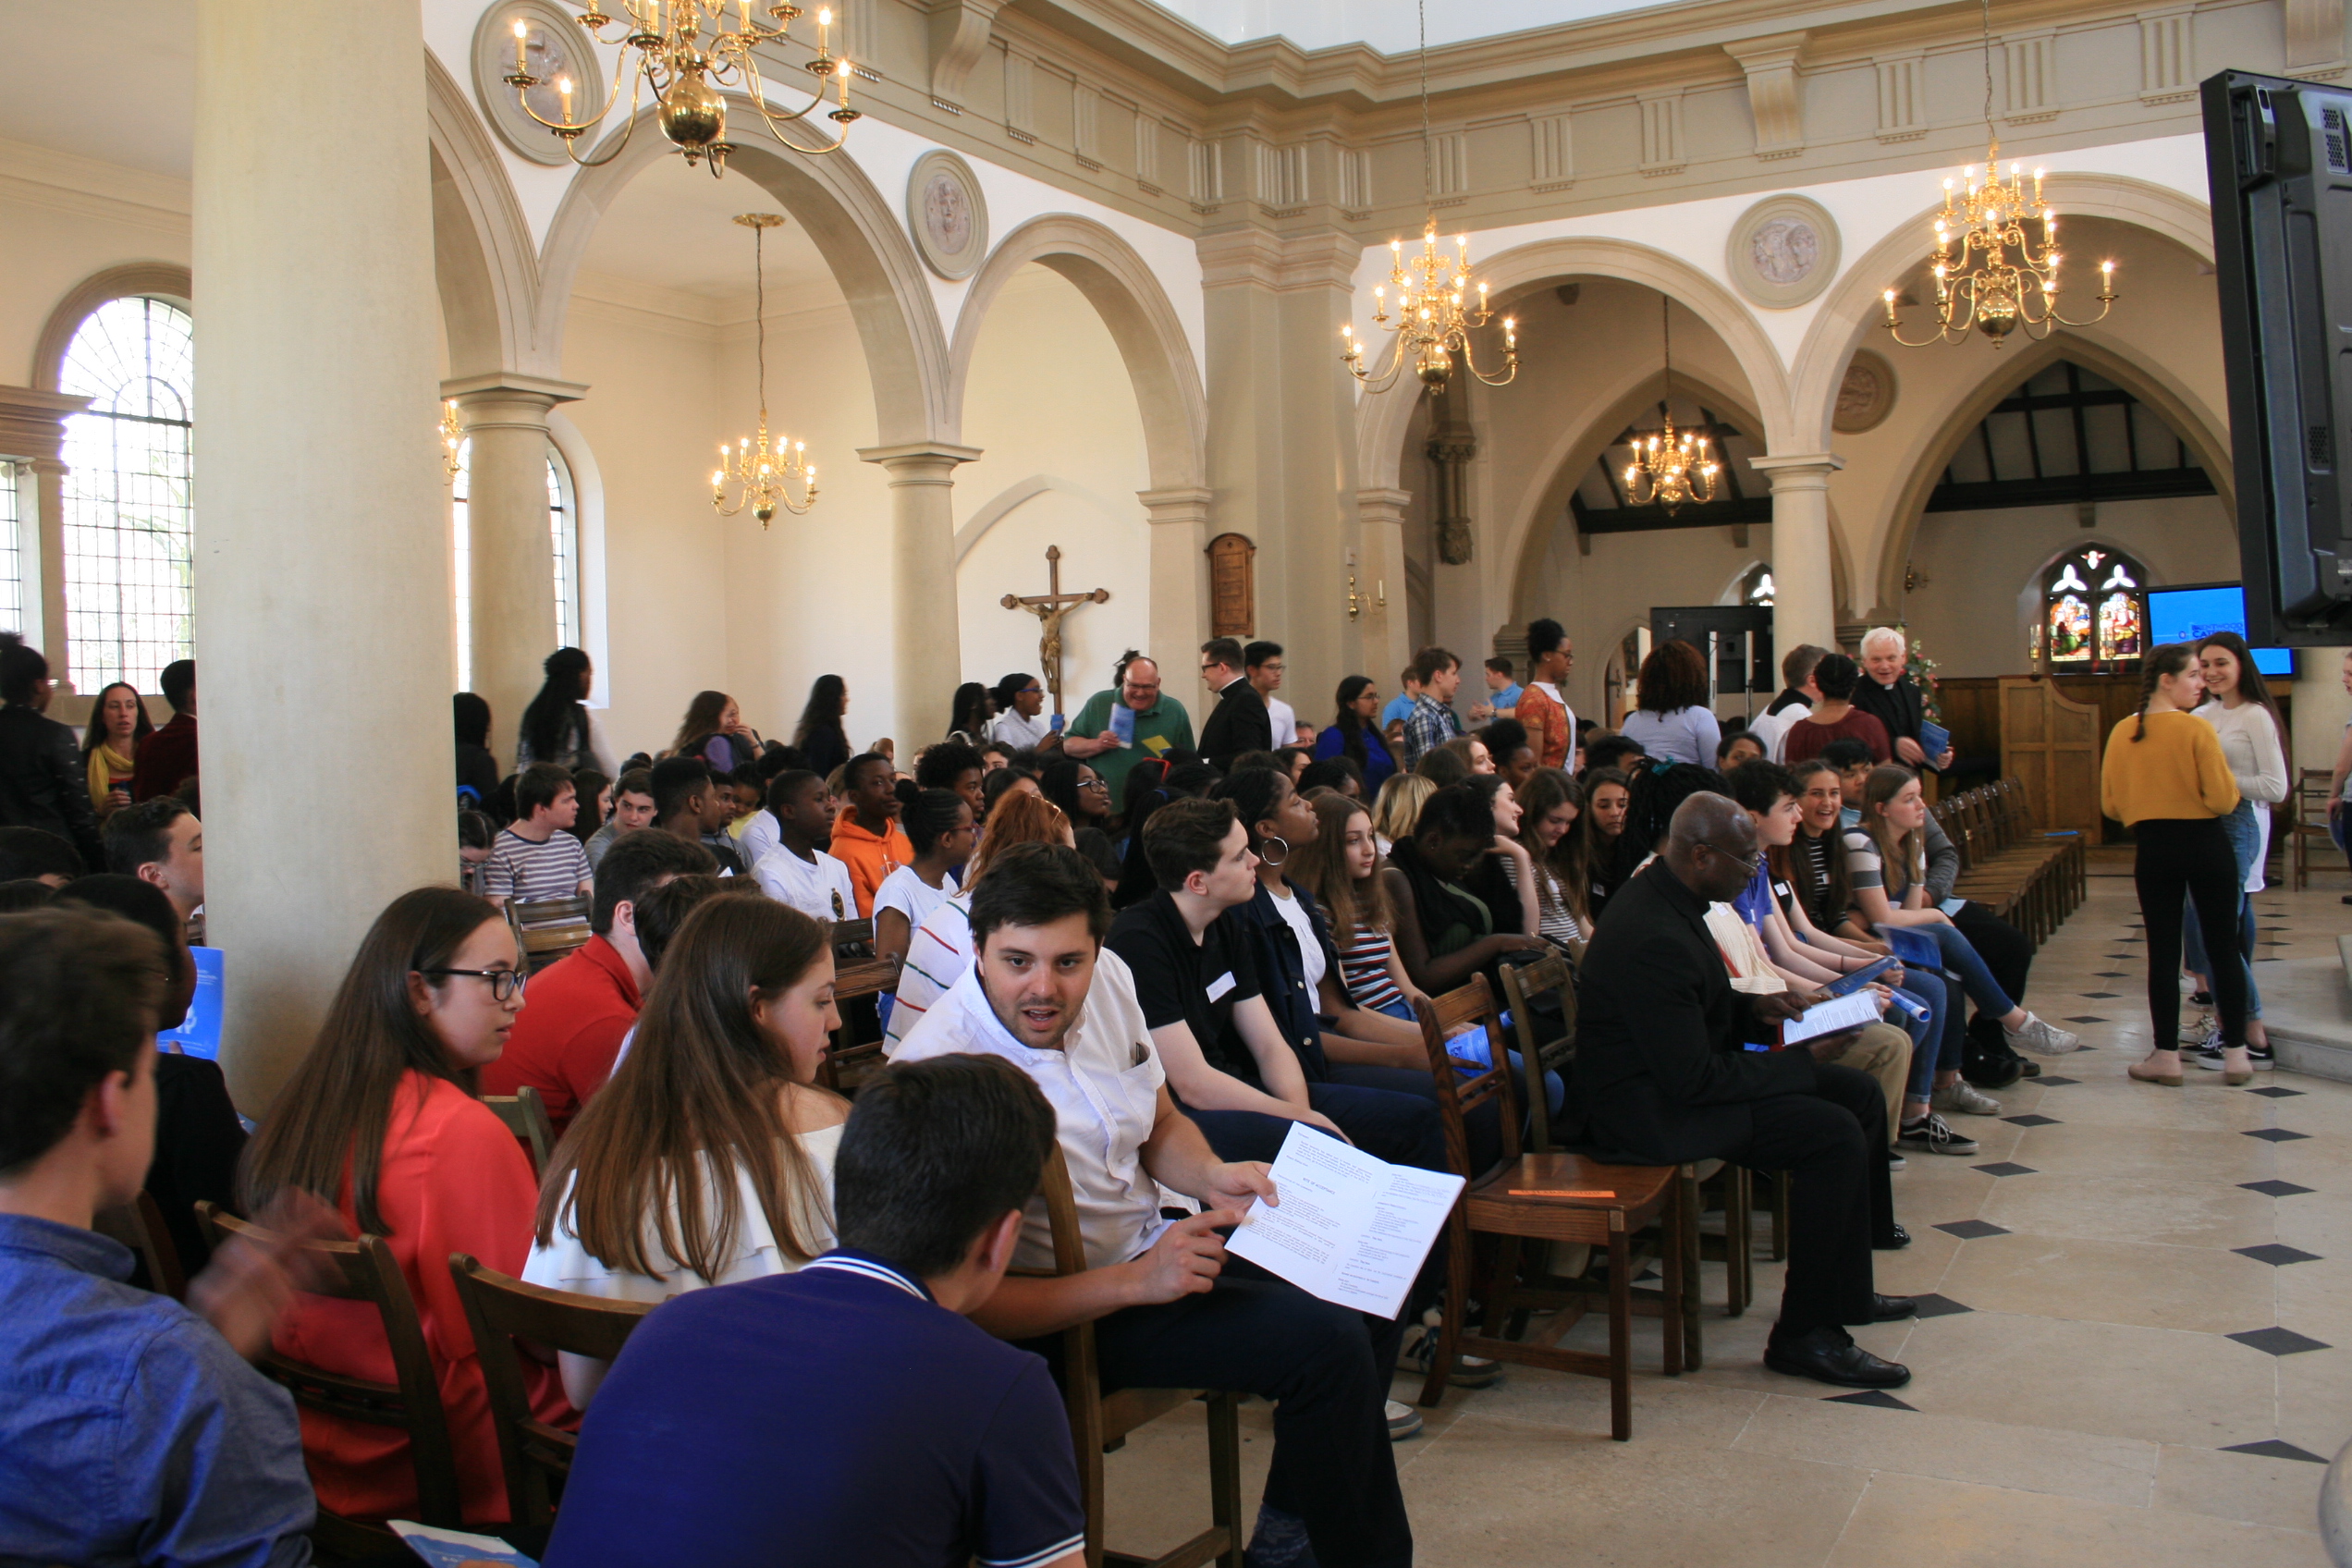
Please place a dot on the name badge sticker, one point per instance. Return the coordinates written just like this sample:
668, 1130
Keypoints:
1219, 986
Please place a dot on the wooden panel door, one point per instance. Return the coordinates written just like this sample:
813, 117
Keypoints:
2052, 745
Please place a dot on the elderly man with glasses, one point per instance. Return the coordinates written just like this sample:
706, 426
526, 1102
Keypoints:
1128, 721
1664, 1075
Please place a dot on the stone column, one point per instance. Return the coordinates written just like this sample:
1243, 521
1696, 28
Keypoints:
512, 557
927, 655
321, 565
1179, 622
1384, 641
1804, 587
32, 432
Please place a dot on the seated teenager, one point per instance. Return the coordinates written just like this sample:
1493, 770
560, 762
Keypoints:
1398, 807
696, 807
940, 1444
584, 1003
708, 1157
131, 1430
632, 809
940, 829
33, 854
940, 949
381, 1118
1170, 1309
798, 869
1605, 750
1592, 842
1503, 878
1445, 934
1550, 806
954, 766
1515, 755
160, 842
1341, 866
866, 835
535, 856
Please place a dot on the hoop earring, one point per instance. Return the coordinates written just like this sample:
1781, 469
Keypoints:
1268, 845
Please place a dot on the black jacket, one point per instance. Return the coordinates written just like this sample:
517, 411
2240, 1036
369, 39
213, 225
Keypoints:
45, 784
1660, 1075
1240, 724
1899, 708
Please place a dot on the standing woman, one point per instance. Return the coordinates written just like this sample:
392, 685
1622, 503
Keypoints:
43, 781
824, 745
381, 1120
1355, 733
1672, 721
2168, 780
119, 722
2239, 708
714, 730
558, 726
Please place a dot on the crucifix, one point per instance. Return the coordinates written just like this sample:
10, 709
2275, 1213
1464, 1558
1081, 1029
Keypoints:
1049, 607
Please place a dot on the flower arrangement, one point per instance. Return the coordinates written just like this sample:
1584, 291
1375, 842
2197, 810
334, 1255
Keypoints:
1922, 669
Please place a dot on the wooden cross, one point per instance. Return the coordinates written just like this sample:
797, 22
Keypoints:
1049, 607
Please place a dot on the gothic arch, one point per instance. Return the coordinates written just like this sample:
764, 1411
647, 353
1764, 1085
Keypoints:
1135, 309
857, 232
163, 280
482, 261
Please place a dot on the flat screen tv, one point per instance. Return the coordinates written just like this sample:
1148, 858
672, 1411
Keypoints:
2197, 609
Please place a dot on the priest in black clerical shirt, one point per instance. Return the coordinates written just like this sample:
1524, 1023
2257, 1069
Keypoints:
1241, 722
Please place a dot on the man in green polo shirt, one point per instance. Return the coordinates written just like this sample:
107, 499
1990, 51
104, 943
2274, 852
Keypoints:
1159, 725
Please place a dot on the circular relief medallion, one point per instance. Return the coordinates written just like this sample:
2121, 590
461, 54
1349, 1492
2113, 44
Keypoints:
947, 214
1782, 252
1866, 395
554, 46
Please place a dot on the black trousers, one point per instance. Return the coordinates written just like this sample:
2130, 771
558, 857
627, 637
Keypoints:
2007, 953
2192, 857
1833, 1142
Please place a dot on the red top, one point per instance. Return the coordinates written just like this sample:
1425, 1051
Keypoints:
871, 857
575, 1013
1806, 737
167, 759
1546, 726
453, 1180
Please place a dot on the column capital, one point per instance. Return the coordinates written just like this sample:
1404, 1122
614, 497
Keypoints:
1187, 503
1808, 470
511, 387
32, 424
919, 462
1382, 504
1322, 259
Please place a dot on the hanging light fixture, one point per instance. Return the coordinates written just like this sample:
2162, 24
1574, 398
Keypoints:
452, 438
1979, 285
762, 474
1433, 323
1670, 467
685, 74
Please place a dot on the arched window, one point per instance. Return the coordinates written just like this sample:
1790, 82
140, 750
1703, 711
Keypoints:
130, 524
11, 560
2094, 611
563, 531
1756, 590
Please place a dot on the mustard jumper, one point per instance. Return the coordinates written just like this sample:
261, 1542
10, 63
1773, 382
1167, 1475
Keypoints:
2175, 772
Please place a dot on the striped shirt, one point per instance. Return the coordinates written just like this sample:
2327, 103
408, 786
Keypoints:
1364, 965
1555, 921
523, 871
938, 954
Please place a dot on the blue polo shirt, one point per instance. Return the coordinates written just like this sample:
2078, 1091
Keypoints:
833, 1416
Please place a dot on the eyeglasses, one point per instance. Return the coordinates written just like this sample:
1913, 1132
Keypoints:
505, 984
1096, 784
1748, 863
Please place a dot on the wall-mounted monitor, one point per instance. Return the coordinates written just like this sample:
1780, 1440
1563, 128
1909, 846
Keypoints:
2199, 610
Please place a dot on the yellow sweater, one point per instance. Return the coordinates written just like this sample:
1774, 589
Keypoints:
2176, 771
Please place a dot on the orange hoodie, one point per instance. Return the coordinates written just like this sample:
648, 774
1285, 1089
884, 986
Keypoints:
871, 857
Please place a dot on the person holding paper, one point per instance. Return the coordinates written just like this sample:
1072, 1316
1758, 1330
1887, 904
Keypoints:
1660, 1078
1170, 1309
1887, 693
1126, 722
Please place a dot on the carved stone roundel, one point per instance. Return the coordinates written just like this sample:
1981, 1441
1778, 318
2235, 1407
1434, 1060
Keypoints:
1866, 395
554, 46
947, 215
1782, 252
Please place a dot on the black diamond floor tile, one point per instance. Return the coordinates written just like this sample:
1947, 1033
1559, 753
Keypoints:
2031, 1120
2280, 1342
2277, 1253
1972, 1229
2099, 996
1933, 1306
2275, 1188
2272, 1092
1876, 1398
2275, 1134
2086, 1017
2004, 1168
2048, 1083
2111, 974
2273, 1447
2121, 958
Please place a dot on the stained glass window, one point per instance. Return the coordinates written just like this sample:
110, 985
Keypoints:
2095, 612
563, 531
129, 522
1758, 588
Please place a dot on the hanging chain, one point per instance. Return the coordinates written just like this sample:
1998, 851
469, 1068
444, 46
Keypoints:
759, 310
1428, 151
1991, 135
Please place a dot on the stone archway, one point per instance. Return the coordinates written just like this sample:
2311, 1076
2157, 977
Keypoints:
482, 262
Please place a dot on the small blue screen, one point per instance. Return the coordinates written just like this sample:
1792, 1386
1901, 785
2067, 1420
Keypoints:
2183, 615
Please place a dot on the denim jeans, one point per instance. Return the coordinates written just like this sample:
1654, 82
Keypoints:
1962, 959
2245, 836
1937, 1044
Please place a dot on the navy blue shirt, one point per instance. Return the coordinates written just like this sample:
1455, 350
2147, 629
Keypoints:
833, 1416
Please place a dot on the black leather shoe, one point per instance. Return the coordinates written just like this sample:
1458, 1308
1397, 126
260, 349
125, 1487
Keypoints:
1828, 1356
1896, 1243
1887, 1309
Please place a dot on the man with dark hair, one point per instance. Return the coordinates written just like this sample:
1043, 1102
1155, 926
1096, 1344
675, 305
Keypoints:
1854, 762
1169, 1308
565, 1040
632, 809
1797, 699
132, 1431
535, 856
1619, 752
1240, 722
1836, 718
953, 765
32, 853
866, 835
798, 871
1515, 758
940, 1443
1432, 721
687, 804
1333, 773
1502, 692
1552, 724
160, 842
168, 758
1266, 666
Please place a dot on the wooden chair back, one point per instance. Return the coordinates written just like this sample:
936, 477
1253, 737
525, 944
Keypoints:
364, 1270
138, 1225
505, 1315
1459, 1093
847, 1059
1520, 981
853, 941
547, 929
525, 1115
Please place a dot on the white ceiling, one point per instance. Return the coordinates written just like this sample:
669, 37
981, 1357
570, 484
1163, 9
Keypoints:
672, 227
71, 89
1387, 26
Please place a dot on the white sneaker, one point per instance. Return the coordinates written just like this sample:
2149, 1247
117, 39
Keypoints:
2200, 1031
1403, 1421
2043, 1039
1964, 1099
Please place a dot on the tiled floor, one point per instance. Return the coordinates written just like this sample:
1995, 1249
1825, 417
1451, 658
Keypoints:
2143, 1358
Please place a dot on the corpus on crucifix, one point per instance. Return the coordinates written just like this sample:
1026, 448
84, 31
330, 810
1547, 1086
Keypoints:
1049, 607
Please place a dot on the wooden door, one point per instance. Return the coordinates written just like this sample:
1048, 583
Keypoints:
2051, 745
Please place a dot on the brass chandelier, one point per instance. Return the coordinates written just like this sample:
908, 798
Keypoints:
763, 475
1670, 467
1433, 323
685, 73
453, 437
1980, 286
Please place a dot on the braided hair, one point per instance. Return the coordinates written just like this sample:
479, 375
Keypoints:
2169, 659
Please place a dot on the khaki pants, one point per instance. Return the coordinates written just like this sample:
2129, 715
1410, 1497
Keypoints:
1884, 1052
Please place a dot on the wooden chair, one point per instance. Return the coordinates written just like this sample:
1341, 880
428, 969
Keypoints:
547, 929
1099, 1422
1526, 1197
138, 1225
364, 1270
504, 1313
525, 1115
853, 941
2307, 824
849, 1060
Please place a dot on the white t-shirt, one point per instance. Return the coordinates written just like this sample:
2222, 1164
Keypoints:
1293, 914
1771, 729
1104, 1088
906, 892
1012, 729
819, 889
565, 1265
759, 835
1285, 721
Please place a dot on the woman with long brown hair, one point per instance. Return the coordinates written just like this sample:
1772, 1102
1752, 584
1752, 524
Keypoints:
714, 730
381, 1120
707, 1158
940, 950
1549, 809
2237, 704
119, 722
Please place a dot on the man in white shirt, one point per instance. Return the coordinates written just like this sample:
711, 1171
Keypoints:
1169, 1308
797, 871
1771, 726
1263, 663
1021, 725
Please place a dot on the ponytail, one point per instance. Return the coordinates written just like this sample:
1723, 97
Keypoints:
2169, 659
